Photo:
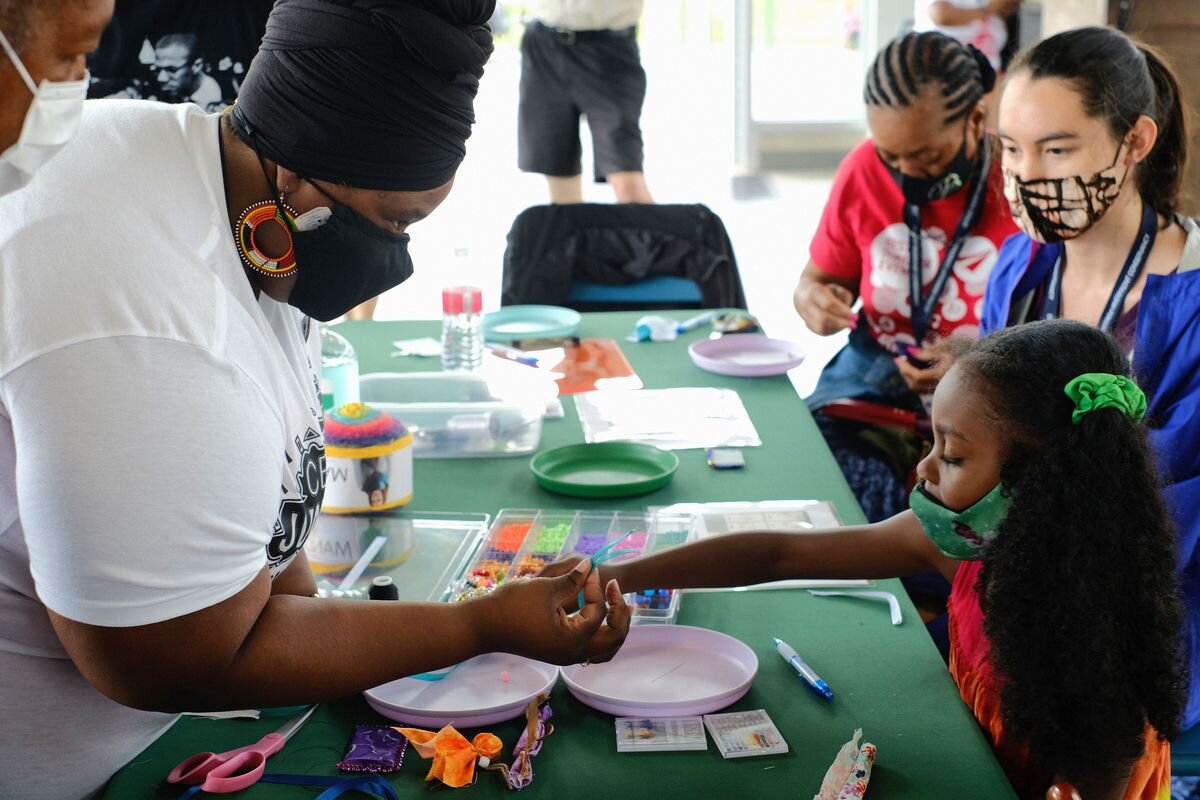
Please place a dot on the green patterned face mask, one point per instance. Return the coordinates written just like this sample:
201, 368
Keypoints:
960, 534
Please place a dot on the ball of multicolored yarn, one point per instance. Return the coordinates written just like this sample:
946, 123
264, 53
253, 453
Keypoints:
359, 425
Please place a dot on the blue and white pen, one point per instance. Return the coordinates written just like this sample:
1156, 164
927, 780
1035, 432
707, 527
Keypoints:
512, 354
696, 321
818, 686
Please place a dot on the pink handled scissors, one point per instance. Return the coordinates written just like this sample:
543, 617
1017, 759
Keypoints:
234, 770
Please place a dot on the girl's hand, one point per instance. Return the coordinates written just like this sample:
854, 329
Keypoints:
824, 307
921, 381
530, 618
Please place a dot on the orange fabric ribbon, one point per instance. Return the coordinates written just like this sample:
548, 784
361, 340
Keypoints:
453, 756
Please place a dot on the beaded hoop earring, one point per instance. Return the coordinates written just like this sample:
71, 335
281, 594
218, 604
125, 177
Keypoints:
260, 213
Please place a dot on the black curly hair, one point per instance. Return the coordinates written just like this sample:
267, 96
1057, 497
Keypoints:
1079, 592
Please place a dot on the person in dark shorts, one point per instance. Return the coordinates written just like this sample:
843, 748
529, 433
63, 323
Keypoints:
582, 58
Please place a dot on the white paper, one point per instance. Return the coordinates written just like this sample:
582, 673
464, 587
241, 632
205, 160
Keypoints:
670, 419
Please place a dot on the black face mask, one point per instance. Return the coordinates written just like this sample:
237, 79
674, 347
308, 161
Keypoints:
345, 261
920, 191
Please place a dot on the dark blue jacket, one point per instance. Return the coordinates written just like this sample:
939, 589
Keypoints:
1166, 362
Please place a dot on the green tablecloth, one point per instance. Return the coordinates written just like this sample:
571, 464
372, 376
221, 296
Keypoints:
889, 680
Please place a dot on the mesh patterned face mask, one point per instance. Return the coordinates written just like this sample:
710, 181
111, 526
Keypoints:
1053, 210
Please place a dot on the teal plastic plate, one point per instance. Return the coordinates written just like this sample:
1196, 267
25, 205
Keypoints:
604, 469
530, 322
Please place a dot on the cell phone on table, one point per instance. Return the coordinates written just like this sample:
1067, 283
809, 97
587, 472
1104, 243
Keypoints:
725, 458
906, 350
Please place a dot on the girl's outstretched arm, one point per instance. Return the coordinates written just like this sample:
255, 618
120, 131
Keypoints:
896, 546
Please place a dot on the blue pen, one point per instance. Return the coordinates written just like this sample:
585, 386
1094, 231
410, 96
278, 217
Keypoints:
696, 321
513, 354
812, 679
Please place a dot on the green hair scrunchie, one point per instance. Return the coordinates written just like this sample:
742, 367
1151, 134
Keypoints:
1095, 390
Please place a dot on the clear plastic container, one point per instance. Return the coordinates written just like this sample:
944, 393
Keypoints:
459, 414
423, 551
462, 329
339, 369
522, 541
492, 563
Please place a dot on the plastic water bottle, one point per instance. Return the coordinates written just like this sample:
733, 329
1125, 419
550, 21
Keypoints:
339, 370
462, 329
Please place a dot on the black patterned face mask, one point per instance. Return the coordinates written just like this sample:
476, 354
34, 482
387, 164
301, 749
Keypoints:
1051, 210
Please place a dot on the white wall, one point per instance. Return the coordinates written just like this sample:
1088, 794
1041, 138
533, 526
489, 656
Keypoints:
1061, 15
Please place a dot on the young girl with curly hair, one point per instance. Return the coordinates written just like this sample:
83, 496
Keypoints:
1040, 503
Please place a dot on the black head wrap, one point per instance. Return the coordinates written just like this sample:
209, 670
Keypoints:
375, 94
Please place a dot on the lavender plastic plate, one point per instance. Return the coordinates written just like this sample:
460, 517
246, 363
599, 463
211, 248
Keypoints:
666, 671
473, 695
746, 355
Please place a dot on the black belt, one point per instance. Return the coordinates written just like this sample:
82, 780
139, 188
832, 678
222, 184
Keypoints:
571, 37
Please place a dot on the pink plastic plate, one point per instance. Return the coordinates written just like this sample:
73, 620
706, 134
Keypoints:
666, 671
475, 694
746, 355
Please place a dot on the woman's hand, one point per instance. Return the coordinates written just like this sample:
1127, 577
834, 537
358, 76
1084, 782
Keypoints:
530, 618
1002, 8
824, 307
922, 380
823, 301
562, 566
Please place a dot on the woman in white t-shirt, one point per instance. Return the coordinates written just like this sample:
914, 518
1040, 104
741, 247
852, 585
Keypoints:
976, 22
161, 455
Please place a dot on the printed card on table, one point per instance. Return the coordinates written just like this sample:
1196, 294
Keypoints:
642, 734
745, 733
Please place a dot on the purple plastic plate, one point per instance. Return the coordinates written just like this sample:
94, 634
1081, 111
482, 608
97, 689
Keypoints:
666, 670
746, 355
475, 694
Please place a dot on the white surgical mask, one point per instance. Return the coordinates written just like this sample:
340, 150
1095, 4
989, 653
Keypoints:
51, 121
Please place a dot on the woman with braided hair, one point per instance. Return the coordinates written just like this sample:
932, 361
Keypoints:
912, 226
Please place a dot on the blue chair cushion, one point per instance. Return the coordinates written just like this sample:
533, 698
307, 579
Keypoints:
655, 289
1185, 752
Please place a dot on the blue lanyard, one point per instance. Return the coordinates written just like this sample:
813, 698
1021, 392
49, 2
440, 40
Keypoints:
922, 307
1134, 264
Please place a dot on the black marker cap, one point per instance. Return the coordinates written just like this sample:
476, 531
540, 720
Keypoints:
383, 588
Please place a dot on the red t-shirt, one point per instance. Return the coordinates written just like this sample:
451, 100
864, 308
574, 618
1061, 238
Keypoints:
862, 236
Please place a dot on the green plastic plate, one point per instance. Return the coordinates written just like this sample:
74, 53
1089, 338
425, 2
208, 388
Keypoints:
529, 322
604, 469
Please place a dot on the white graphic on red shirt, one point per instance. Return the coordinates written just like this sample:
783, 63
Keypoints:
887, 296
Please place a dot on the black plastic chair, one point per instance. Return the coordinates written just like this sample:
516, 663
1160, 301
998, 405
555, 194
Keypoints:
604, 257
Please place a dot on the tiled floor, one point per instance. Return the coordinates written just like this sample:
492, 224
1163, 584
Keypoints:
688, 159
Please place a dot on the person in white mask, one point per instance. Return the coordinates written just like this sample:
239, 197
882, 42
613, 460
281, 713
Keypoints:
43, 79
